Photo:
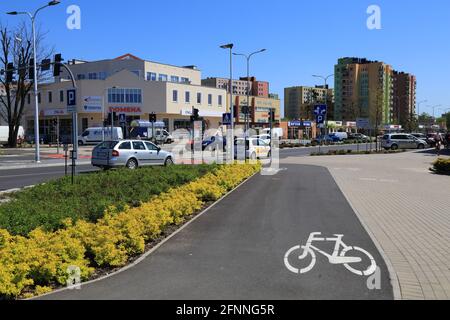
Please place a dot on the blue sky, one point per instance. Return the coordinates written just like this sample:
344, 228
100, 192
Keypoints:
301, 37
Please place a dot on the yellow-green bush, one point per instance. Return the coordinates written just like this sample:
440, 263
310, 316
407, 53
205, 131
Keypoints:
32, 265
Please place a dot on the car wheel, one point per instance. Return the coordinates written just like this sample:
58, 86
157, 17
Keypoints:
421, 147
132, 164
168, 162
80, 143
394, 147
253, 156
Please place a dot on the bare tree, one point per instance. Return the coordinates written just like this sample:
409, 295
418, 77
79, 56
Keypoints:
16, 47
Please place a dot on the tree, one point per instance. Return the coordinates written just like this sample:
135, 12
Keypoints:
16, 47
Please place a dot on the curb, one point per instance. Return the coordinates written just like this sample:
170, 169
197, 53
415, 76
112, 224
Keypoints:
155, 248
37, 166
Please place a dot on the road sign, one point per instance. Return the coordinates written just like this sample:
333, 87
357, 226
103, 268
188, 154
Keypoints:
122, 118
71, 101
320, 110
226, 119
363, 123
320, 119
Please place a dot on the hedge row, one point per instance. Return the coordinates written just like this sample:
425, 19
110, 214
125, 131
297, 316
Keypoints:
441, 166
37, 263
46, 206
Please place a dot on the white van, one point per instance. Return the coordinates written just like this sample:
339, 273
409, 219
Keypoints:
342, 136
95, 136
4, 134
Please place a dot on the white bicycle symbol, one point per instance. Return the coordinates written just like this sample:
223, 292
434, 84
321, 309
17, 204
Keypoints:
336, 258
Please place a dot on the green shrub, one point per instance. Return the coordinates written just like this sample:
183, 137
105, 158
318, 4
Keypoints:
46, 206
441, 166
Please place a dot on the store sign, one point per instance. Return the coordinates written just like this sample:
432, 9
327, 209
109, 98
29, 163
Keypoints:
126, 110
55, 112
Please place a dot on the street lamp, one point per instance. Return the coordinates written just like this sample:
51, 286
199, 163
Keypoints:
434, 110
247, 116
230, 87
418, 106
36, 111
326, 95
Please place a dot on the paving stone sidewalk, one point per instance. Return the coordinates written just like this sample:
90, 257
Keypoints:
406, 209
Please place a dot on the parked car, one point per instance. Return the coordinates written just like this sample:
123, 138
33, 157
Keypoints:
93, 136
325, 140
264, 137
254, 149
402, 141
420, 136
131, 154
358, 137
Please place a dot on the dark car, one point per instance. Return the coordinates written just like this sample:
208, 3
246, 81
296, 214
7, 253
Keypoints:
325, 140
212, 143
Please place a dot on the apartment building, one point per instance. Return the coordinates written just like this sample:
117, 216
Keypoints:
363, 88
405, 86
299, 101
131, 86
240, 87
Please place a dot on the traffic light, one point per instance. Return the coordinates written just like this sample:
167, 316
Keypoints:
55, 122
152, 117
245, 110
195, 115
272, 115
9, 72
57, 65
31, 69
45, 64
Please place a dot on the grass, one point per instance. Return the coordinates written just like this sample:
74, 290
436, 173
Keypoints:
46, 206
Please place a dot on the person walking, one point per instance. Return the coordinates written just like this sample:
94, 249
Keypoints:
438, 140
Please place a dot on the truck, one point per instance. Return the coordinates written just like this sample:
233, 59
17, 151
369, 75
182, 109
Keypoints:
94, 136
4, 134
144, 130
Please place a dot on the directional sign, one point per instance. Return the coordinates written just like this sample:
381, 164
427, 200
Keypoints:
363, 123
226, 119
320, 110
71, 101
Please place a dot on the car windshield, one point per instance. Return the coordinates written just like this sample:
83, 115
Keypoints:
107, 145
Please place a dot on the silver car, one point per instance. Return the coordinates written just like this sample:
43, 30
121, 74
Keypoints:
402, 141
131, 154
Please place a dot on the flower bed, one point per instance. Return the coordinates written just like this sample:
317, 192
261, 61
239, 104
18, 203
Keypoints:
35, 264
441, 166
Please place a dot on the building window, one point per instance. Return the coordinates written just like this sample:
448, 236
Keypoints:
163, 77
81, 76
102, 75
220, 100
175, 79
151, 76
185, 80
210, 98
199, 98
187, 97
61, 96
175, 95
136, 72
50, 97
92, 76
132, 96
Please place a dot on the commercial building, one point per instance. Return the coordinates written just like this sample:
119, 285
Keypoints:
363, 89
299, 101
405, 86
259, 110
241, 86
130, 86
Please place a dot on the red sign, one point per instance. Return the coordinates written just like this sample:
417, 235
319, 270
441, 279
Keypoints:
126, 110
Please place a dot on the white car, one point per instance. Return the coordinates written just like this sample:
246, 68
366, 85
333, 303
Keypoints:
254, 149
263, 137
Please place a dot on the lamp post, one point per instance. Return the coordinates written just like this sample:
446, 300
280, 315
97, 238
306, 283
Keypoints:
247, 116
36, 111
326, 96
230, 87
434, 111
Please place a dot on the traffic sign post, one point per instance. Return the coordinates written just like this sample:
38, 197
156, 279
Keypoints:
226, 119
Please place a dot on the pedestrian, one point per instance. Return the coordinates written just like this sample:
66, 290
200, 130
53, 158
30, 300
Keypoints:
438, 140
